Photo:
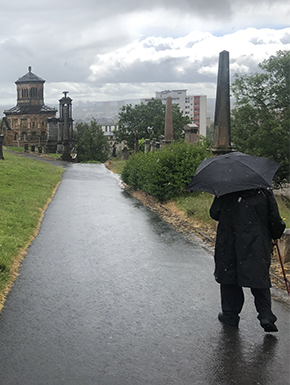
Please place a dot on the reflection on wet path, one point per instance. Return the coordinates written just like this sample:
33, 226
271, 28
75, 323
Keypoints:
240, 362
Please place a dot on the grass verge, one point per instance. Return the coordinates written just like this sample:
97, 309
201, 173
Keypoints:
115, 165
14, 148
196, 205
26, 188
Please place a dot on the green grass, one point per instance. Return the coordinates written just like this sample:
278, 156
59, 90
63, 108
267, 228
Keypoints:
196, 205
55, 156
26, 186
13, 148
284, 209
116, 165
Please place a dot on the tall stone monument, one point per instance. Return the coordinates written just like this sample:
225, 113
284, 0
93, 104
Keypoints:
222, 119
1, 146
168, 132
65, 127
52, 133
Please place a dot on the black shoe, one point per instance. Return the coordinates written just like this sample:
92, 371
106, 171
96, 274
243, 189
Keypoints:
268, 326
227, 320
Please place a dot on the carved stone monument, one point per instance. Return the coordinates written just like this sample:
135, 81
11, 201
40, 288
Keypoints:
222, 121
168, 132
1, 146
65, 127
52, 136
191, 131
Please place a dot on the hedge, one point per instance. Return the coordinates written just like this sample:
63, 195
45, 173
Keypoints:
165, 173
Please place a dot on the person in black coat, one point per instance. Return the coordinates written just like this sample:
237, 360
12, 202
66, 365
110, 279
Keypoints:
248, 221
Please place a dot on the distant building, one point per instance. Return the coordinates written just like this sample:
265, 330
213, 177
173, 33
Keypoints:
193, 106
27, 121
109, 127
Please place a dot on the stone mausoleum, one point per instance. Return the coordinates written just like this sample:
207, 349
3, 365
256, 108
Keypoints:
27, 122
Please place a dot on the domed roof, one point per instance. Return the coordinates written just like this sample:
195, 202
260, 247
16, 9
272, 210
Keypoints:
30, 78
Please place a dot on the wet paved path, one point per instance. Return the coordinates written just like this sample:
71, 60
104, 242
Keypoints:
108, 294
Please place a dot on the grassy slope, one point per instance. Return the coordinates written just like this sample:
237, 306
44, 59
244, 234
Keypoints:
26, 186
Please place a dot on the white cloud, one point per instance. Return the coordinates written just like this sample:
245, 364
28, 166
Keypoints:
128, 49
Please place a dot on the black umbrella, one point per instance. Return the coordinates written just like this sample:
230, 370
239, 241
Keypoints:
223, 174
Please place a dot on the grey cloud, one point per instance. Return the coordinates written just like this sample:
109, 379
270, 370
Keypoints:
97, 9
162, 71
163, 47
286, 38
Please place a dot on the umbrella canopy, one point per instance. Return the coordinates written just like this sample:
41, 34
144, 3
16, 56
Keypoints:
232, 172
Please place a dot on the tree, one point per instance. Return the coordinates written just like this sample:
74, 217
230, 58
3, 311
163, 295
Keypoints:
261, 117
91, 143
147, 121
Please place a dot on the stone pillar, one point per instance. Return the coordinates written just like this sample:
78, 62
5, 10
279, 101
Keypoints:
125, 153
222, 120
191, 131
153, 145
161, 140
168, 132
52, 136
1, 146
284, 246
59, 138
66, 135
147, 145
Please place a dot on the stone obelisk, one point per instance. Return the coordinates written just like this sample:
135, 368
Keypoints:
1, 148
222, 119
168, 132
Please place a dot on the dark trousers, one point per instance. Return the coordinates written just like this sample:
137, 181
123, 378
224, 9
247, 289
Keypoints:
232, 299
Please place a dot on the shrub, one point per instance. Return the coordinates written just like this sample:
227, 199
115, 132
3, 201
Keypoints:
164, 174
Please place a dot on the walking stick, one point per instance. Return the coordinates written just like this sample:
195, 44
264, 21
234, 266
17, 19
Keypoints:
285, 278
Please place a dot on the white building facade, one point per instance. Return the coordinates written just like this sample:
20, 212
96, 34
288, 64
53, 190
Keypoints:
193, 106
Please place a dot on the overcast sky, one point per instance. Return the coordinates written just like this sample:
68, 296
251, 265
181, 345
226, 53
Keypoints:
125, 49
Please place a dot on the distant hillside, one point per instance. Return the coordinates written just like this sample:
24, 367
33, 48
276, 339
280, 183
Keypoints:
85, 111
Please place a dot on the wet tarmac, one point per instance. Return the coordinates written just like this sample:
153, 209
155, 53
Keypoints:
109, 294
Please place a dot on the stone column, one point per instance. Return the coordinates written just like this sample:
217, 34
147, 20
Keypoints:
59, 138
222, 122
168, 132
1, 146
66, 135
161, 140
191, 131
153, 145
52, 136
147, 145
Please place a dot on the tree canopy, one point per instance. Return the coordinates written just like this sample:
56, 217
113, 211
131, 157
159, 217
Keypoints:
147, 121
91, 143
261, 117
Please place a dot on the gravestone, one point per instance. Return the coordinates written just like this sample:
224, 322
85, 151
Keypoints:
52, 136
191, 131
168, 131
284, 244
125, 153
1, 146
147, 145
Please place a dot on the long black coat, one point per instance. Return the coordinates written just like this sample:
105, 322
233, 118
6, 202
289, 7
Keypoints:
247, 222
